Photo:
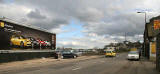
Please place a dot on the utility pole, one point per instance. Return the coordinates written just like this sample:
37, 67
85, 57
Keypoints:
125, 36
144, 39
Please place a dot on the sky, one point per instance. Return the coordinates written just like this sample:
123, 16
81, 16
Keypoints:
84, 23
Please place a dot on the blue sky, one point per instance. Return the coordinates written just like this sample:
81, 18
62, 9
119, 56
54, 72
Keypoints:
8, 1
73, 29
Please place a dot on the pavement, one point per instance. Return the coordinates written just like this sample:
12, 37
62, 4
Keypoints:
81, 65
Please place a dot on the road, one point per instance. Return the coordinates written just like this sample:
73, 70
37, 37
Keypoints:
99, 65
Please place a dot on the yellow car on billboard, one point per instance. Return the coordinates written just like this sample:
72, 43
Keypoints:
21, 41
110, 53
1, 24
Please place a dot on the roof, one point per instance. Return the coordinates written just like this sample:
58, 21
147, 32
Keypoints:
25, 25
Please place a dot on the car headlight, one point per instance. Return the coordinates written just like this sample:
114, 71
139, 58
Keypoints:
136, 56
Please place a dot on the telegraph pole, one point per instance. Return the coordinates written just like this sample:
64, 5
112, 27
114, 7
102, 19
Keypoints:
125, 36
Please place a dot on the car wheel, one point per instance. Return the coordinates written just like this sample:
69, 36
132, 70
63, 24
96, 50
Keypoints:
56, 56
62, 57
74, 56
21, 44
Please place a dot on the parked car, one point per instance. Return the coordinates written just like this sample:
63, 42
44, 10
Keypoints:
21, 41
133, 55
68, 54
111, 53
77, 53
34, 42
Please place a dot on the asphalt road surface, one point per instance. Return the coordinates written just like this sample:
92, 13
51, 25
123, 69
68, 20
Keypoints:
99, 65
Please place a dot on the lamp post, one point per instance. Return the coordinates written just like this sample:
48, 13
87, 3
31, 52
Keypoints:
144, 16
144, 49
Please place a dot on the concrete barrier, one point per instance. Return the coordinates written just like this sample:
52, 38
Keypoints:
8, 56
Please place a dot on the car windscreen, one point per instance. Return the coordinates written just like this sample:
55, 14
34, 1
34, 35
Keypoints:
108, 51
134, 52
32, 39
22, 37
66, 51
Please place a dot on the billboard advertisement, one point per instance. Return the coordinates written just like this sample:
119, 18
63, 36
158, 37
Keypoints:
152, 51
156, 24
153, 48
15, 35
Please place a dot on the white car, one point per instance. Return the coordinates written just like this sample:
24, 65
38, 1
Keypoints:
133, 55
47, 43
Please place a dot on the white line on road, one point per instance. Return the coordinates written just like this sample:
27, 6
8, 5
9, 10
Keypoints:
102, 61
94, 62
76, 68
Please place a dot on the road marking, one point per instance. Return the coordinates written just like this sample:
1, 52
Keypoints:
76, 68
102, 61
94, 62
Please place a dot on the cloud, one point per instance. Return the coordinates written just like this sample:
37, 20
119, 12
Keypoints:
104, 21
119, 25
36, 14
89, 14
1, 1
88, 41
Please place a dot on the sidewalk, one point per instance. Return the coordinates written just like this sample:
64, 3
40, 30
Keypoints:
40, 62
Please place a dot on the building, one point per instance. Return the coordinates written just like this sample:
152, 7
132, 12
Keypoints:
152, 40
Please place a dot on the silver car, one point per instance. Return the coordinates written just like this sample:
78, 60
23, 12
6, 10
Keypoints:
133, 55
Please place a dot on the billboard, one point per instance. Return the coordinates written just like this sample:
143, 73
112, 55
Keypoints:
152, 51
153, 48
53, 41
14, 35
156, 24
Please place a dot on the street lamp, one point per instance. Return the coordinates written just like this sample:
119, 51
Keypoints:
145, 28
144, 16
